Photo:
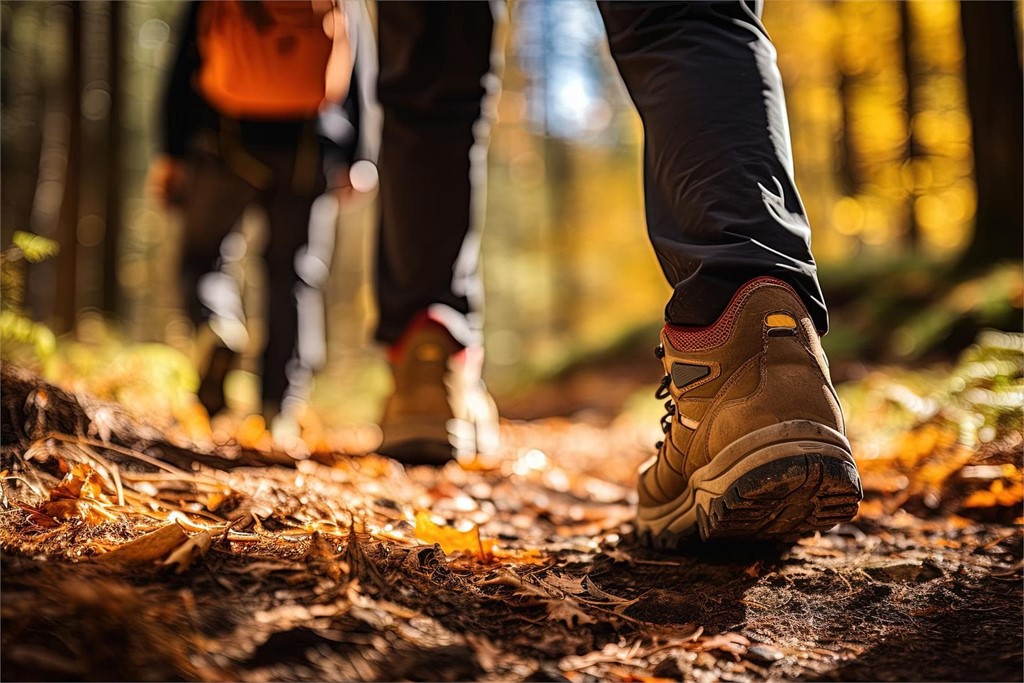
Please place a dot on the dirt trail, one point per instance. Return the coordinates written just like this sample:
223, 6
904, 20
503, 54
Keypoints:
324, 569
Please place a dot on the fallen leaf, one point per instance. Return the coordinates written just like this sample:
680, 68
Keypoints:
487, 653
322, 558
79, 495
194, 547
81, 481
566, 584
519, 555
506, 577
602, 595
149, 547
451, 539
611, 652
568, 612
998, 494
618, 555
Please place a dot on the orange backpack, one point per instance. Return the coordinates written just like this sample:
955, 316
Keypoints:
271, 58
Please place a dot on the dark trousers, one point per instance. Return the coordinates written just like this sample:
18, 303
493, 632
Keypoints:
722, 207
275, 167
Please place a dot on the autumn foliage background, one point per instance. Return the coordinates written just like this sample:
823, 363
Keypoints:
906, 126
882, 136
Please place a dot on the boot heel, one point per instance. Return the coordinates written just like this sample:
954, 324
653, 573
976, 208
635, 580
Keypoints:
783, 499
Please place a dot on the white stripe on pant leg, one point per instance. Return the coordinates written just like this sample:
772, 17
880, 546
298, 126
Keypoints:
323, 227
311, 344
218, 292
313, 266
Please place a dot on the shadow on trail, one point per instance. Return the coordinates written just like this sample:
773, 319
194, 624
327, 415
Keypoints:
973, 631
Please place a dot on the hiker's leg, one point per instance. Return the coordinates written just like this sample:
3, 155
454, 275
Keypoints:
435, 78
213, 204
722, 206
299, 246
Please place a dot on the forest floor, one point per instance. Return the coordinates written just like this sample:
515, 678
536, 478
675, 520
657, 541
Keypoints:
135, 550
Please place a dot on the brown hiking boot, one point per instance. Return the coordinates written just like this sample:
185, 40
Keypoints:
216, 358
755, 444
440, 408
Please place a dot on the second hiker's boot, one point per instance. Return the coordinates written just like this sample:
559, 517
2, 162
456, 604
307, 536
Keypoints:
219, 363
755, 444
440, 409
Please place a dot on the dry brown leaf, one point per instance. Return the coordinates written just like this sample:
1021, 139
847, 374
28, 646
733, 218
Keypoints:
612, 652
194, 547
322, 558
149, 547
81, 481
566, 584
665, 636
519, 555
593, 589
79, 495
619, 554
506, 577
568, 612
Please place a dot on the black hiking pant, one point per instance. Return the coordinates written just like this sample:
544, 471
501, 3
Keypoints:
274, 166
722, 207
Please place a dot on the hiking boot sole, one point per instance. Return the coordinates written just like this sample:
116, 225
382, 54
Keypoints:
419, 441
419, 452
775, 484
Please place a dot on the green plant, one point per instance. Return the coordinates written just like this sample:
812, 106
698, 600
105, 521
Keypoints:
22, 339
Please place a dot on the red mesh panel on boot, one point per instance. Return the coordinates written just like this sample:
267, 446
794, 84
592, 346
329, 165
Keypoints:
685, 338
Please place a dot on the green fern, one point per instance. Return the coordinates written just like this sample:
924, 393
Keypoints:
23, 340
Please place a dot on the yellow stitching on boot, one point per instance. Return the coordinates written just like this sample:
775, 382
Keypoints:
780, 320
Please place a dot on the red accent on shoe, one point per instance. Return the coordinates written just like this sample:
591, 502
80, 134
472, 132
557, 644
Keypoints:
717, 333
421, 320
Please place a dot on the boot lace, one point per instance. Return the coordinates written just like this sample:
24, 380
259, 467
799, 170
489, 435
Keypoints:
663, 392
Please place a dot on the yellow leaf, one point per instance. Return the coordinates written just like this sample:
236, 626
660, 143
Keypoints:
81, 481
450, 539
998, 494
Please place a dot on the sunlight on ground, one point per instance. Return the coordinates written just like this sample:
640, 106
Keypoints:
539, 538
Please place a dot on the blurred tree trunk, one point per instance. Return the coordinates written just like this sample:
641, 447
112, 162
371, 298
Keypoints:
65, 304
846, 165
559, 173
115, 125
21, 82
846, 154
995, 98
912, 235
